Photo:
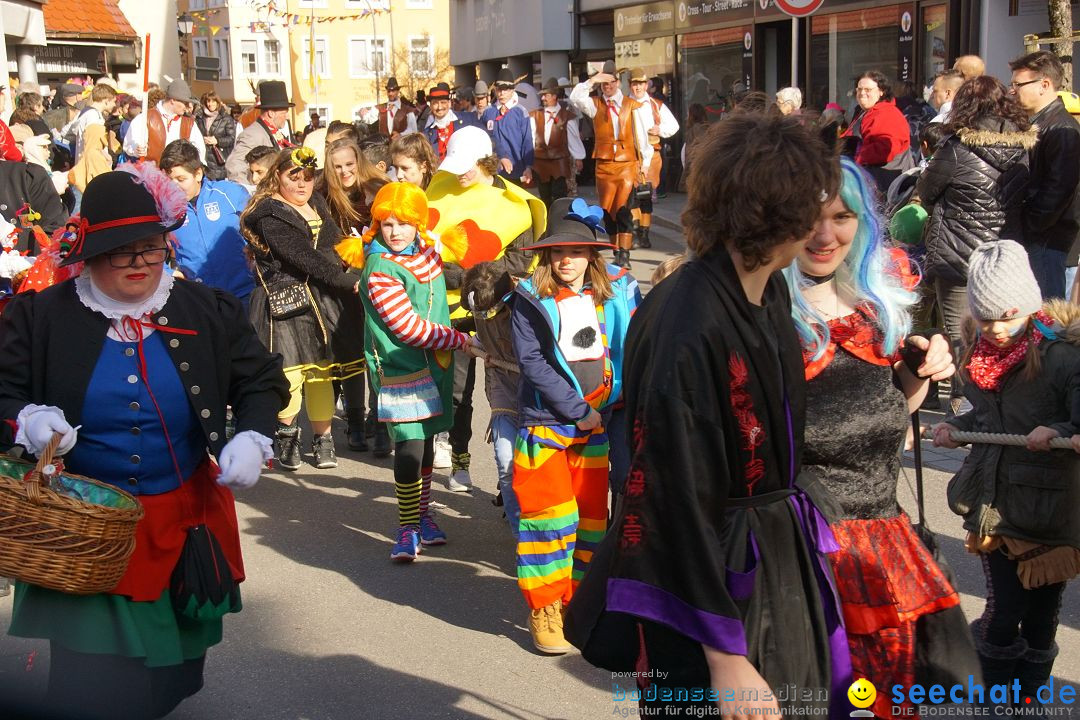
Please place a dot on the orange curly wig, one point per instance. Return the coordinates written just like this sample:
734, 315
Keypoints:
404, 201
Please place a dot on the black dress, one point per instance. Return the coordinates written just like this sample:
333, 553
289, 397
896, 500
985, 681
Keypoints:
856, 420
330, 335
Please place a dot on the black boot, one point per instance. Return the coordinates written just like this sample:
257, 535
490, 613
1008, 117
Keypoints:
636, 242
376, 431
643, 238
322, 447
622, 258
357, 435
1033, 671
999, 662
288, 446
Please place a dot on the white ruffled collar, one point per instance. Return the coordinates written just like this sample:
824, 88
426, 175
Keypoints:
95, 299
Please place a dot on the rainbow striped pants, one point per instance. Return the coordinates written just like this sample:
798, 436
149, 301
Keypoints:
560, 480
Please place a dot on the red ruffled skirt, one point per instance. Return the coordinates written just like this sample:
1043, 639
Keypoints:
887, 580
160, 535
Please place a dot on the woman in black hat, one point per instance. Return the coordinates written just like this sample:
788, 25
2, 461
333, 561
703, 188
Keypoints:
304, 304
134, 369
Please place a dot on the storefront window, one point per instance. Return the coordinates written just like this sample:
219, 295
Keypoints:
709, 64
845, 45
656, 56
933, 50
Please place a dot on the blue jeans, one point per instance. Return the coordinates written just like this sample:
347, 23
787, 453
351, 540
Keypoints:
503, 433
1049, 268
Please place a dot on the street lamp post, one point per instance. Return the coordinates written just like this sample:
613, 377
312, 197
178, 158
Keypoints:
185, 24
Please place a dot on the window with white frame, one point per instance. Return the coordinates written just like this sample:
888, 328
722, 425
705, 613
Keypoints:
271, 57
221, 52
325, 114
420, 58
367, 55
249, 57
322, 57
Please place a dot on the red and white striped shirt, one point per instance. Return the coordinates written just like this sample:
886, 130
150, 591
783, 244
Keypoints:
391, 302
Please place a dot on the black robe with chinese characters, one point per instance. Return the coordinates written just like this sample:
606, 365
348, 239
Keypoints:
713, 544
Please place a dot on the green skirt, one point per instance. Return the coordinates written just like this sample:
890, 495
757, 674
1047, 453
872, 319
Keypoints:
106, 624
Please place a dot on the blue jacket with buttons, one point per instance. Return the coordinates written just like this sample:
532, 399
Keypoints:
211, 248
549, 392
512, 137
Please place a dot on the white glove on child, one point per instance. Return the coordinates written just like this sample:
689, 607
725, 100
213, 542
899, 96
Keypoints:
242, 460
38, 423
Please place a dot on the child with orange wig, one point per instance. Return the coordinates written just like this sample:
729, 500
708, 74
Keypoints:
409, 347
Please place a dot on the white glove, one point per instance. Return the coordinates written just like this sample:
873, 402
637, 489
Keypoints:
242, 460
38, 423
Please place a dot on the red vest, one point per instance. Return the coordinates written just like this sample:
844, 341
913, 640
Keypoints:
609, 147
156, 132
401, 118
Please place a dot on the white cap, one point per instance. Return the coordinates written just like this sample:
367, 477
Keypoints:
466, 146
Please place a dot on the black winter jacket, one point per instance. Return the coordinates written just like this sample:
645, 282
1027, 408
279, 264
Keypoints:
1011, 491
973, 189
1050, 205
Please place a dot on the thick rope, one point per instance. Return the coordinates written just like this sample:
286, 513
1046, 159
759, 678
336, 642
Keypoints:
959, 436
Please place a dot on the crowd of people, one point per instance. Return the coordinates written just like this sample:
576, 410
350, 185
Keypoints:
706, 499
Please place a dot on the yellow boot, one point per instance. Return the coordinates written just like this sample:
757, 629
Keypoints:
546, 628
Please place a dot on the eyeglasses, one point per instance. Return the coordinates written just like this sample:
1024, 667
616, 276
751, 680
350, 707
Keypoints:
150, 256
1017, 85
866, 90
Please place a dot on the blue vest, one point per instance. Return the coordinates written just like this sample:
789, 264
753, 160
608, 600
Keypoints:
121, 441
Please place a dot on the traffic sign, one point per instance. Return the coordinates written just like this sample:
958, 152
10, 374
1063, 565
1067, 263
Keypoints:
799, 8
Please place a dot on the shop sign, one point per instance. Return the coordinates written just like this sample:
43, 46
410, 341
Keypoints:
647, 19
699, 13
799, 8
905, 61
70, 59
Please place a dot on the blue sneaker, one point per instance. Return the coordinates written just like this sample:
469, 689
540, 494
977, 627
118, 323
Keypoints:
407, 546
430, 533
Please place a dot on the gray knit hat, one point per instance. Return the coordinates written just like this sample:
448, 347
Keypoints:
1000, 282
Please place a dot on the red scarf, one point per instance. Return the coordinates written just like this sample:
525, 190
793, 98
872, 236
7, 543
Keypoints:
990, 364
444, 134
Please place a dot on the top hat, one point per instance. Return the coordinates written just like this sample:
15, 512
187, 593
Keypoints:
572, 221
504, 78
551, 86
179, 90
638, 75
118, 208
440, 92
392, 83
273, 95
480, 89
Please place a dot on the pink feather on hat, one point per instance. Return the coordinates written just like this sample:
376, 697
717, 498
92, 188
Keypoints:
170, 200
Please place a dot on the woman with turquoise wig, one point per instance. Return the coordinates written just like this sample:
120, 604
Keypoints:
851, 300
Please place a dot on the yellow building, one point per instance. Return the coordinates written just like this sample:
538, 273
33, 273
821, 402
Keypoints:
351, 52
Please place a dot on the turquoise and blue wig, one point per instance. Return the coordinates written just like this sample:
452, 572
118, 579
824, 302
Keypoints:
867, 274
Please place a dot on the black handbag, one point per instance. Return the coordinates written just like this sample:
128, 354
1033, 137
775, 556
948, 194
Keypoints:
944, 649
202, 586
288, 298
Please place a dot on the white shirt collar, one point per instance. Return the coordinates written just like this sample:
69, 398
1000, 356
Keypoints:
448, 118
165, 113
513, 101
95, 299
617, 98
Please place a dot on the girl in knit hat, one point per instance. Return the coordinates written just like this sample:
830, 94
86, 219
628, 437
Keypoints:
1022, 376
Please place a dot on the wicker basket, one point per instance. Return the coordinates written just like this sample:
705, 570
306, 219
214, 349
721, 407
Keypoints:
65, 543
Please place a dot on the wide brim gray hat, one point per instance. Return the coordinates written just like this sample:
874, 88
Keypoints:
179, 90
481, 88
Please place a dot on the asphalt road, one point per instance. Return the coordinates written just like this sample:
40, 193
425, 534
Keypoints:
332, 629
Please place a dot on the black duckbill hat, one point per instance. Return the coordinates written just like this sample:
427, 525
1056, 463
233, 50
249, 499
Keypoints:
572, 221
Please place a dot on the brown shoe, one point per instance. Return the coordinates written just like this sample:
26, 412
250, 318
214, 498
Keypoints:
546, 628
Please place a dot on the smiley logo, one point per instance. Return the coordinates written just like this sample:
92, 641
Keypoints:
862, 693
